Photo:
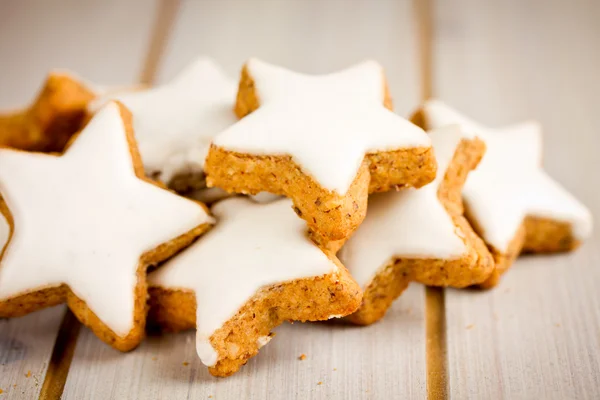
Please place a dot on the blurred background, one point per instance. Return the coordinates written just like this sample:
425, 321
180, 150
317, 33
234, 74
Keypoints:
498, 61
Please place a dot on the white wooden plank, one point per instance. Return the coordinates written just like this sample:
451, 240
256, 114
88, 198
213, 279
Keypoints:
538, 334
310, 36
25, 347
385, 360
104, 42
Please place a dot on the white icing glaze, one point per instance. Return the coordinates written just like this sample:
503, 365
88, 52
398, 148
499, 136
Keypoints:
208, 355
410, 223
252, 246
84, 219
175, 123
325, 123
4, 231
509, 183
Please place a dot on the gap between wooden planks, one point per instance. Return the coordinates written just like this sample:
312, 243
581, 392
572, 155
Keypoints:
437, 376
64, 347
435, 308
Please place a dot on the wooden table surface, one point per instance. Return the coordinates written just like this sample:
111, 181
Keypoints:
537, 335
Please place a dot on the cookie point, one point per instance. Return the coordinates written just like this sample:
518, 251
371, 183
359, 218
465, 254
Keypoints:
208, 355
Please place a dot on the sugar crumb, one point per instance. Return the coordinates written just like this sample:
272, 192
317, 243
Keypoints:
320, 383
302, 357
185, 363
470, 326
28, 374
154, 358
557, 325
335, 369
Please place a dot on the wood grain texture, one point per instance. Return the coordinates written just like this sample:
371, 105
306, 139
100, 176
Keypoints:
538, 334
26, 345
385, 360
102, 41
308, 36
435, 331
60, 361
165, 18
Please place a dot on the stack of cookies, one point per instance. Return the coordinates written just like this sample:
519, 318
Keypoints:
103, 193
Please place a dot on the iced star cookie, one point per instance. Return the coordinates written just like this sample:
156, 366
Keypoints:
175, 123
419, 234
82, 228
57, 113
255, 269
511, 202
325, 141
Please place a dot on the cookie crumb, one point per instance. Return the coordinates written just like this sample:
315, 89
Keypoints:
1, 391
470, 326
320, 383
335, 369
185, 363
28, 374
210, 396
557, 325
154, 358
302, 357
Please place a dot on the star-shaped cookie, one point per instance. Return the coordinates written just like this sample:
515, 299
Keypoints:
325, 141
512, 203
419, 234
255, 269
58, 112
175, 123
82, 228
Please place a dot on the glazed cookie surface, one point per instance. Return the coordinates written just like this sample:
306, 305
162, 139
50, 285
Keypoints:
255, 269
175, 123
57, 113
510, 200
324, 141
82, 228
419, 234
